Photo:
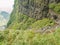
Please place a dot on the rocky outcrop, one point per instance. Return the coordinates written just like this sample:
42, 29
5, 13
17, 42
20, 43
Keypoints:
37, 9
34, 8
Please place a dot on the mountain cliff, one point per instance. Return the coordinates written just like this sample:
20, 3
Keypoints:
34, 8
28, 12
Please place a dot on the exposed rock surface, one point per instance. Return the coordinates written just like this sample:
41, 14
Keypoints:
37, 9
34, 8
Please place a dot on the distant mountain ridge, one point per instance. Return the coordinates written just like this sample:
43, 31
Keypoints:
5, 14
4, 17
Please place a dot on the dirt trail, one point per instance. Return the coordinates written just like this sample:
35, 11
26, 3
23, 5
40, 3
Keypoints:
50, 29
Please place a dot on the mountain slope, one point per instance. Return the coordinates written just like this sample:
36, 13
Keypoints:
19, 20
26, 30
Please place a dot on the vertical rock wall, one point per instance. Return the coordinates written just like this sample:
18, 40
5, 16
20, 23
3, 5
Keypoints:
34, 8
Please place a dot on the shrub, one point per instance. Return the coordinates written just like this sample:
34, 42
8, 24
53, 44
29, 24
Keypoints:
29, 37
55, 7
42, 23
52, 5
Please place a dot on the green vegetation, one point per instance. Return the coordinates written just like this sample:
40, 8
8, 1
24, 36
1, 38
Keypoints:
21, 22
42, 23
55, 7
24, 22
29, 37
52, 6
21, 29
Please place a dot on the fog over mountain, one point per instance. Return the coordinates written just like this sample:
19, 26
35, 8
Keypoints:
6, 5
4, 17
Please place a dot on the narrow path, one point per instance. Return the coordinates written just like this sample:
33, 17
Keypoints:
50, 29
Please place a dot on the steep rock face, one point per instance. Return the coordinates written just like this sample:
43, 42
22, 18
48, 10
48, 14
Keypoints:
34, 8
37, 9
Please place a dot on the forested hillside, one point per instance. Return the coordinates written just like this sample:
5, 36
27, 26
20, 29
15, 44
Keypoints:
33, 22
